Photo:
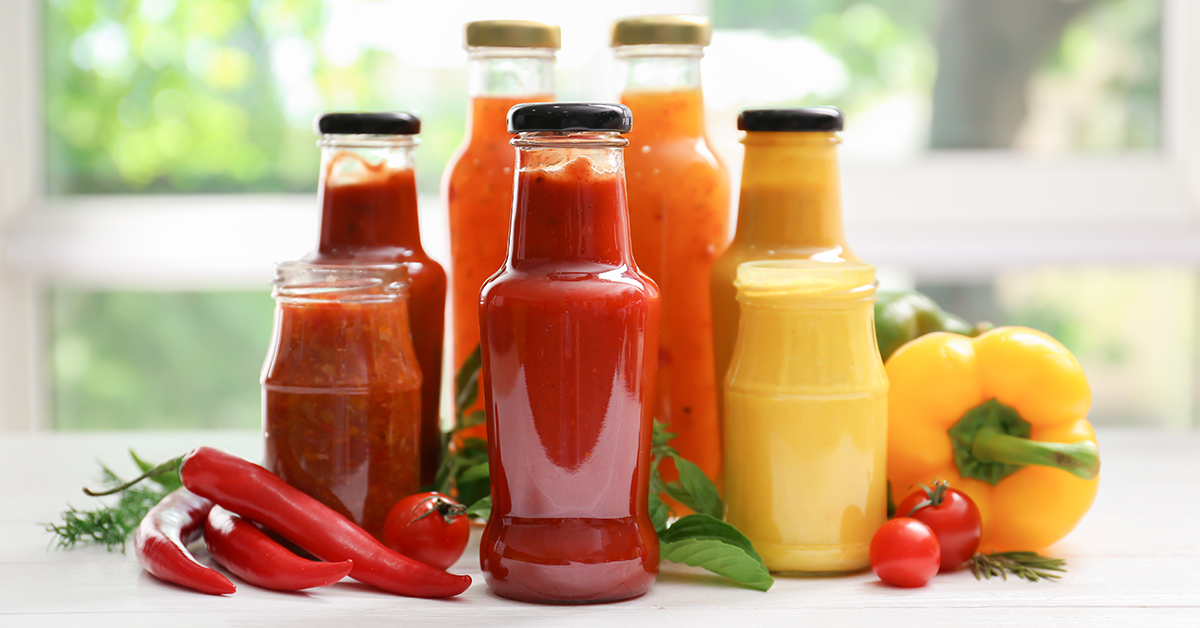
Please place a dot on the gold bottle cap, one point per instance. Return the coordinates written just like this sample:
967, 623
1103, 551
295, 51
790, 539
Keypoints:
679, 30
512, 34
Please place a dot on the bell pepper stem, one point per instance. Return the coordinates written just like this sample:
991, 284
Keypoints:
1080, 459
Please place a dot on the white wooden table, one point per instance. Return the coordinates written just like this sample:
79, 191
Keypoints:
1135, 560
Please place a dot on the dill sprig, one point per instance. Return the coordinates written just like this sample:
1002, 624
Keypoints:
111, 524
1029, 566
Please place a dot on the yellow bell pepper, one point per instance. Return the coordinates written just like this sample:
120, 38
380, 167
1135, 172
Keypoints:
1003, 418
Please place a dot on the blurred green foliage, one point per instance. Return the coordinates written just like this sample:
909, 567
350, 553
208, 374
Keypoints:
885, 45
140, 360
205, 96
1124, 38
888, 47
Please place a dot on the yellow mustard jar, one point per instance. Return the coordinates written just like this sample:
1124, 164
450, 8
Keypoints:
806, 415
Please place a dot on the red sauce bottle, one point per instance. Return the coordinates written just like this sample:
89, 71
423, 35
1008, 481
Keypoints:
369, 214
569, 331
341, 388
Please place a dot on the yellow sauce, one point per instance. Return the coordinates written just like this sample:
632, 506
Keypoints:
806, 416
790, 207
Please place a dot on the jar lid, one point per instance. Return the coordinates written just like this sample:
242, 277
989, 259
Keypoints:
801, 119
512, 34
803, 277
368, 123
679, 30
569, 116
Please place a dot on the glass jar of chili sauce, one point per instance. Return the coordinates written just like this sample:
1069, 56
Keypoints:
342, 388
369, 214
569, 327
679, 217
508, 62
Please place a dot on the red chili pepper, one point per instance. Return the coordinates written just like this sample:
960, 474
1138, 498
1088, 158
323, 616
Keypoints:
259, 495
248, 553
161, 539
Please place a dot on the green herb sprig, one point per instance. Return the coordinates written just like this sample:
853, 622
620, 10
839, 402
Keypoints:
464, 468
110, 525
1029, 566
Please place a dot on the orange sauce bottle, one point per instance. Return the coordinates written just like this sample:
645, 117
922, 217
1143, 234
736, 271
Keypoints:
790, 207
509, 62
679, 216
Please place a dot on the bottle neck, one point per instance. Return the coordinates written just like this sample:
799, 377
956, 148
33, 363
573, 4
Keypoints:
368, 197
791, 191
661, 84
499, 78
569, 204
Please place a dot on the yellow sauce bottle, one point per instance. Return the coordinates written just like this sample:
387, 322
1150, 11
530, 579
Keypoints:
806, 415
790, 206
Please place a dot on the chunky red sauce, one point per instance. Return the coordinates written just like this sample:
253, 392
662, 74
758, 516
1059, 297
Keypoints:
342, 404
569, 330
373, 218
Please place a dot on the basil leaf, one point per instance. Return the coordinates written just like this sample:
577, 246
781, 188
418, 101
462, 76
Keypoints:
695, 490
473, 473
660, 439
473, 419
466, 384
709, 543
659, 514
481, 509
473, 491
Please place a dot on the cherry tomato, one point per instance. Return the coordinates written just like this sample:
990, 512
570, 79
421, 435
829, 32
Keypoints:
905, 553
952, 515
428, 527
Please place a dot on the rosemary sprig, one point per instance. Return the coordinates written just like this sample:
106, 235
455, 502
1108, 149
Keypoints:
1029, 566
110, 525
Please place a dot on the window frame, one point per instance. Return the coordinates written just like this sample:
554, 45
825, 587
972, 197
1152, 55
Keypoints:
1023, 212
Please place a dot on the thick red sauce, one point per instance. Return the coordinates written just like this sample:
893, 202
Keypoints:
373, 218
569, 333
342, 405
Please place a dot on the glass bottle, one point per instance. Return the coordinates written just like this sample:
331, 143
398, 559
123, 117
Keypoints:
569, 325
508, 62
806, 410
790, 207
679, 216
341, 388
368, 194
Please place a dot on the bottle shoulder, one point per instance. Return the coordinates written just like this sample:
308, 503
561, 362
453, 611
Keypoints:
576, 281
674, 151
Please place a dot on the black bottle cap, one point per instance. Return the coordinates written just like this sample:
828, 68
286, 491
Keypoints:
796, 119
569, 116
370, 123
